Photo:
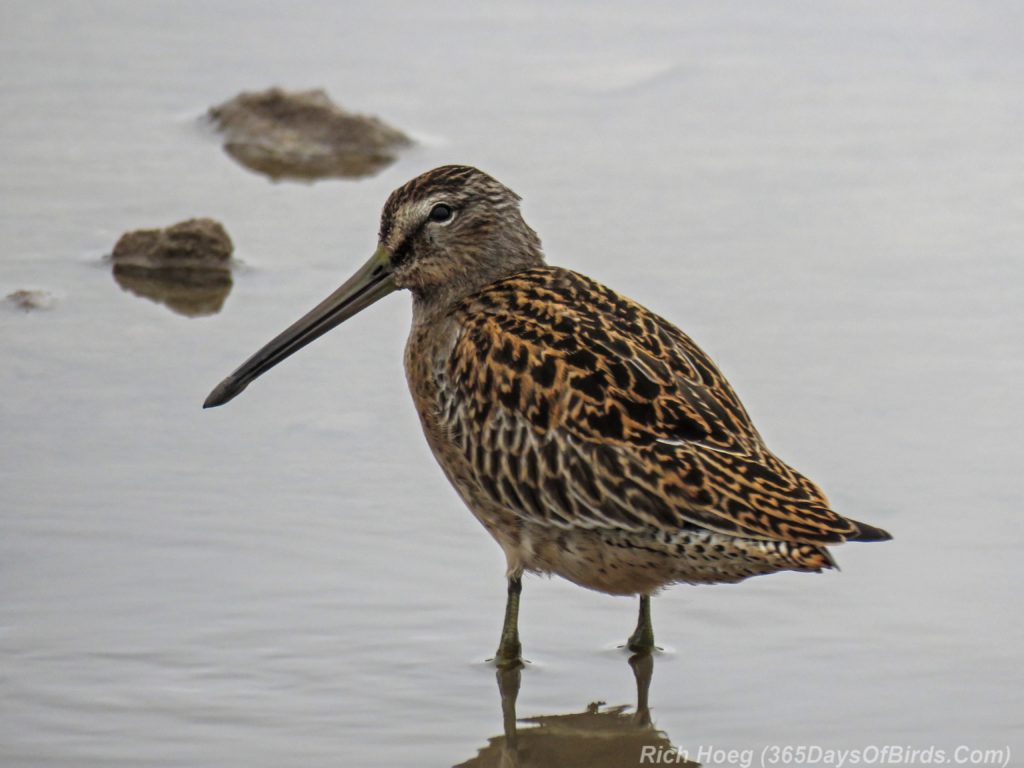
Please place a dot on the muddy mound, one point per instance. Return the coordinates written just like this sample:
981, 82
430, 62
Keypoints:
186, 267
304, 135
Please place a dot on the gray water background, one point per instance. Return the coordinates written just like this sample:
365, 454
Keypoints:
829, 197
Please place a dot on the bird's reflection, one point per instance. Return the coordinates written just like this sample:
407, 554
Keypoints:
597, 737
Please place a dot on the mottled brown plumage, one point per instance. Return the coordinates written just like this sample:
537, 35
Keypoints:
592, 438
566, 414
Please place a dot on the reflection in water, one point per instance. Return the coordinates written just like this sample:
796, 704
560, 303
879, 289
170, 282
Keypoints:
190, 292
343, 165
595, 738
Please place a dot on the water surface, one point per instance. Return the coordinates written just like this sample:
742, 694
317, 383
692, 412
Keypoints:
829, 199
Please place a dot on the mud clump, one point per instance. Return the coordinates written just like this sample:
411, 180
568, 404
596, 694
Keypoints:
30, 300
186, 267
304, 135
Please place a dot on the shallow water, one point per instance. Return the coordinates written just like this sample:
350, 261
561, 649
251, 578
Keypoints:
829, 200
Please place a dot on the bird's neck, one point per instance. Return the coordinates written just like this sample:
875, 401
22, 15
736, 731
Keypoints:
486, 268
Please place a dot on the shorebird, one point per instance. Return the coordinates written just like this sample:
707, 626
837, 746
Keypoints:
592, 438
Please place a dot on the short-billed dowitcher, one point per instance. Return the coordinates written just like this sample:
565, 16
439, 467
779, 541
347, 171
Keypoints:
590, 437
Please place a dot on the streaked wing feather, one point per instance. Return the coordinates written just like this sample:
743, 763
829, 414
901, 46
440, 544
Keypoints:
598, 413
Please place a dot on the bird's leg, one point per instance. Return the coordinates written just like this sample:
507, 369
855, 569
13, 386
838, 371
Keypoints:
642, 639
509, 649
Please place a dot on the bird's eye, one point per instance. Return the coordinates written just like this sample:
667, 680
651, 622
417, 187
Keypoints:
441, 213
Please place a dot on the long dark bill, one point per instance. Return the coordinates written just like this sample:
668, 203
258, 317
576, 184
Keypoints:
373, 281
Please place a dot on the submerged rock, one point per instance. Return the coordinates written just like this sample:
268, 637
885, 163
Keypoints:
304, 135
186, 266
196, 243
29, 300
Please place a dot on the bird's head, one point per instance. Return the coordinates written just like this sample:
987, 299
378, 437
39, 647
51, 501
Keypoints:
452, 230
443, 235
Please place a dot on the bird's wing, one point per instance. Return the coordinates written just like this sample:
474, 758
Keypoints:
578, 407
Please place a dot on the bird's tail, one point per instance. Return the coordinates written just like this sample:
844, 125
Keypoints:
865, 532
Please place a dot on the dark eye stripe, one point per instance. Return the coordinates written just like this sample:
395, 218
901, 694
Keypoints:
441, 213
401, 254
